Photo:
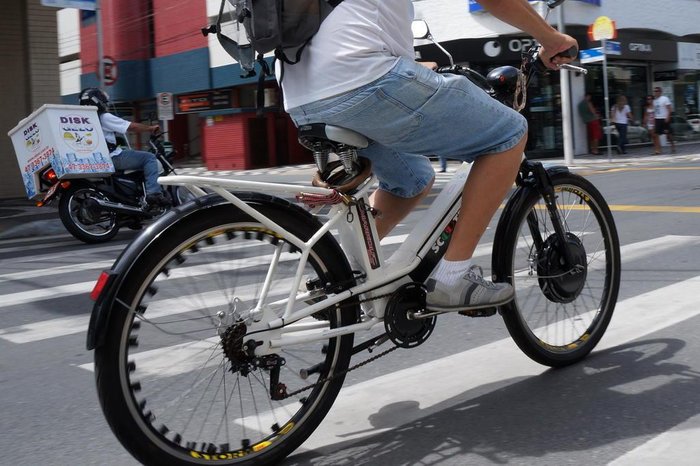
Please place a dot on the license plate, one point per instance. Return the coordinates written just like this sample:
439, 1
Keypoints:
51, 193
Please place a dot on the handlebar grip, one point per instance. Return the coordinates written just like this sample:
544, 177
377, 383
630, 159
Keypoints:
446, 69
571, 53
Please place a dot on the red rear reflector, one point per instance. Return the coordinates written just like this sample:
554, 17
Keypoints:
50, 176
99, 286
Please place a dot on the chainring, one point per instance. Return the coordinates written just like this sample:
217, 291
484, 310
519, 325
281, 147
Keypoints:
404, 331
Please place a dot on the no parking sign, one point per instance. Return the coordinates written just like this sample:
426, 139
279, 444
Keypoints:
165, 106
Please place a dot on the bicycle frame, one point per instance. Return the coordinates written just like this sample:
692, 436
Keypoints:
357, 236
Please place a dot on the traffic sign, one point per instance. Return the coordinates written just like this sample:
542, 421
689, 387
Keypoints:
602, 29
591, 55
613, 48
165, 106
111, 73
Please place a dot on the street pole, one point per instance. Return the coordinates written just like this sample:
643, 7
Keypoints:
565, 85
607, 98
100, 46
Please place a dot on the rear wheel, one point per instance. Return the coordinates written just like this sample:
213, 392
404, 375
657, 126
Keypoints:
560, 310
83, 217
177, 377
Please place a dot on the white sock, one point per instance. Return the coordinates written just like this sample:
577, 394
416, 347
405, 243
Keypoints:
450, 272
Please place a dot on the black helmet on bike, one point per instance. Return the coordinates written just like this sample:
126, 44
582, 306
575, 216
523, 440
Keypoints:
95, 97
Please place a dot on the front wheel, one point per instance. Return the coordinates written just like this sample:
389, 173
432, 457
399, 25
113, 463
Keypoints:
83, 217
177, 378
561, 309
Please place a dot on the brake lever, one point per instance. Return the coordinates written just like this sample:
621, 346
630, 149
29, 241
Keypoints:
575, 68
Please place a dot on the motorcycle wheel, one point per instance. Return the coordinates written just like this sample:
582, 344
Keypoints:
84, 221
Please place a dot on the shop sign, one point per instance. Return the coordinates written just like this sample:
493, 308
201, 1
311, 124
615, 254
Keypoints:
688, 56
475, 6
670, 75
80, 4
203, 101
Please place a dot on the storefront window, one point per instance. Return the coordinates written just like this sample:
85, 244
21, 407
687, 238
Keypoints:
686, 94
543, 113
630, 81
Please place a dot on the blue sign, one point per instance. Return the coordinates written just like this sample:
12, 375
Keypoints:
80, 4
613, 48
591, 55
476, 6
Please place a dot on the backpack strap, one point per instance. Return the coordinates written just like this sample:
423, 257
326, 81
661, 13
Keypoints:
264, 71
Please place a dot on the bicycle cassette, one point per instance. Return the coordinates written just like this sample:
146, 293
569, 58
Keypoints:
401, 326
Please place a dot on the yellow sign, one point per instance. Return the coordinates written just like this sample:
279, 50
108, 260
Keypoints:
602, 29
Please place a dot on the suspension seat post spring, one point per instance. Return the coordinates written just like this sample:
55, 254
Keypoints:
320, 156
347, 156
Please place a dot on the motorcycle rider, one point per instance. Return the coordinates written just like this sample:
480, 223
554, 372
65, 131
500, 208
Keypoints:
127, 159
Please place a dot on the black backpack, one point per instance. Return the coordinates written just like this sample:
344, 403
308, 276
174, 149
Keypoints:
284, 27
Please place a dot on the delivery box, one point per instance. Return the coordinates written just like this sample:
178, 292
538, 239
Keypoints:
67, 137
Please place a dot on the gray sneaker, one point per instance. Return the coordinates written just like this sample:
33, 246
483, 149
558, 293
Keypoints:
472, 292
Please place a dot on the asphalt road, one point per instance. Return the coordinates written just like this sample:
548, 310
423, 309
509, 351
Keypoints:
467, 396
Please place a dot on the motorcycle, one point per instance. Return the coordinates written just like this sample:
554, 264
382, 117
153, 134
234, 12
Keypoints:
94, 209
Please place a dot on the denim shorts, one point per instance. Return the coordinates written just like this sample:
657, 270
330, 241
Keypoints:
411, 112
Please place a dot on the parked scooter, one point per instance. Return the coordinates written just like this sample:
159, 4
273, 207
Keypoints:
94, 209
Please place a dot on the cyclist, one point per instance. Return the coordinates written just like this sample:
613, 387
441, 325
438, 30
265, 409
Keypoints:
359, 73
127, 159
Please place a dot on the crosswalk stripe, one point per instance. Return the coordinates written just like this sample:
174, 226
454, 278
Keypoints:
70, 254
498, 362
64, 326
666, 447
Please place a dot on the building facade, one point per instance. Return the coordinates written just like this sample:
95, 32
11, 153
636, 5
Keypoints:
156, 47
29, 76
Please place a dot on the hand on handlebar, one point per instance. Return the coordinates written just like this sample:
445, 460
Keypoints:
561, 49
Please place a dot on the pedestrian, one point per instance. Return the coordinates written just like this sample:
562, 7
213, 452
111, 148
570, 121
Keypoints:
443, 164
622, 115
591, 118
359, 72
648, 118
662, 120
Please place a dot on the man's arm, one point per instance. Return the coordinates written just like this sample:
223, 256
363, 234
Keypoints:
522, 15
141, 128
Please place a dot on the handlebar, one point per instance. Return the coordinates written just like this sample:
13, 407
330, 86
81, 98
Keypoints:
508, 84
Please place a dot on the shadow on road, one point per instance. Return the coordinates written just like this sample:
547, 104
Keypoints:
625, 392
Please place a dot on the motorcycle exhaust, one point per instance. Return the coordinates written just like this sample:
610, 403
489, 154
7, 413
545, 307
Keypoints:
120, 208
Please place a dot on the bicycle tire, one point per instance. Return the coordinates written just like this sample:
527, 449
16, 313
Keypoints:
148, 392
557, 318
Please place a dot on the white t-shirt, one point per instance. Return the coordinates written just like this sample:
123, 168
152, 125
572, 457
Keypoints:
112, 124
620, 116
358, 42
661, 107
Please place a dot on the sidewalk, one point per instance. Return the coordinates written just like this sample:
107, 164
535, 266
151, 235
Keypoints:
21, 218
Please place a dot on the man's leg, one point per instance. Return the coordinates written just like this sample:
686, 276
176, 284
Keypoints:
457, 284
393, 208
669, 136
140, 160
489, 181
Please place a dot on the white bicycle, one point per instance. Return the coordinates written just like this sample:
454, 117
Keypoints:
224, 332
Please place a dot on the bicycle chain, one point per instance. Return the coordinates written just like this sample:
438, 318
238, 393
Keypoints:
356, 366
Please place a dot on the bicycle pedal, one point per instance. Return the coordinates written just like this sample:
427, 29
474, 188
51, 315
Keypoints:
481, 312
